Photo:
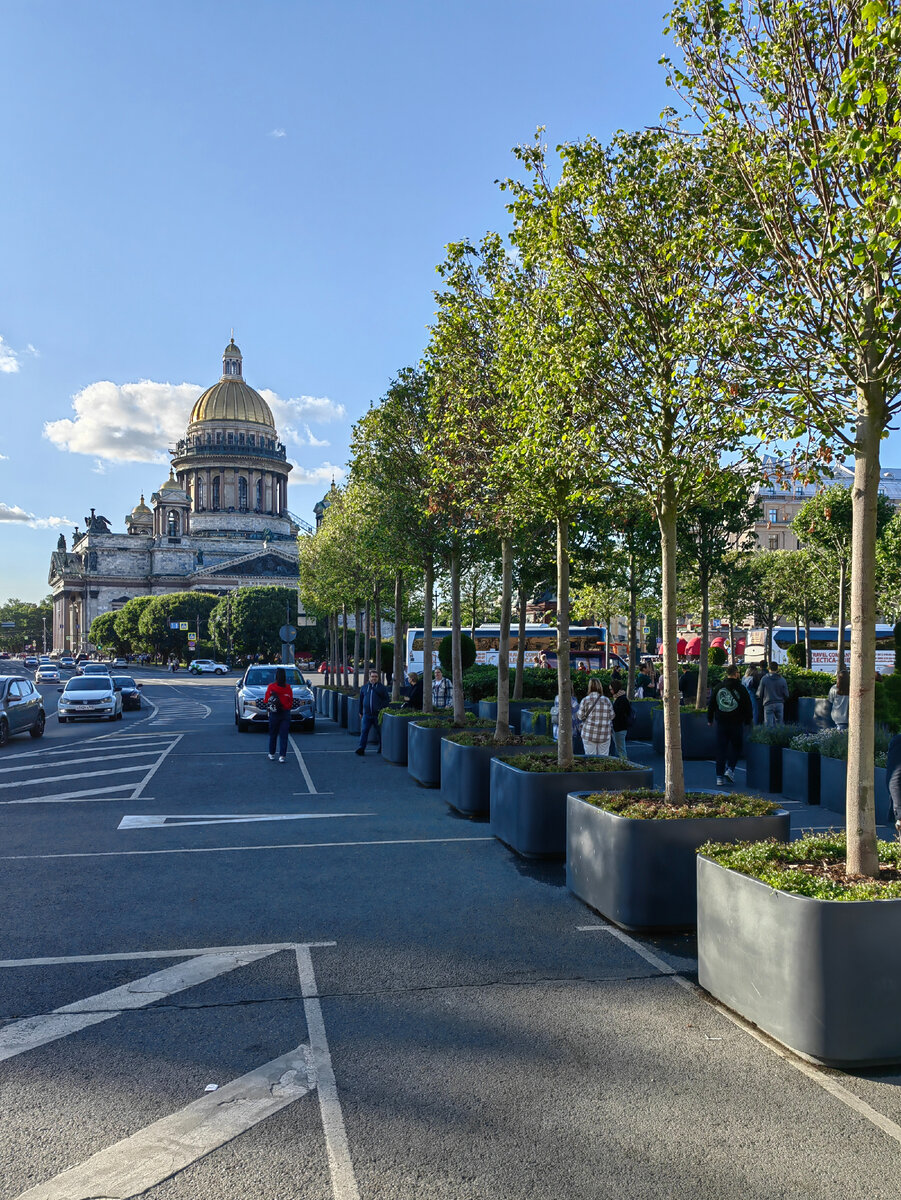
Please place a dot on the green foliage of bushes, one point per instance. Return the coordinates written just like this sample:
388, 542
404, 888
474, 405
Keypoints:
774, 735
797, 654
480, 682
467, 653
802, 682
716, 656
547, 764
486, 738
646, 805
781, 865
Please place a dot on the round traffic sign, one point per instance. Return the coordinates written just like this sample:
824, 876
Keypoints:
287, 633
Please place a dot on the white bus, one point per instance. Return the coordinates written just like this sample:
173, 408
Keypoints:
588, 645
823, 647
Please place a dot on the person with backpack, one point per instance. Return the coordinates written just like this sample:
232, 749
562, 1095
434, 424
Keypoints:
622, 718
278, 701
730, 707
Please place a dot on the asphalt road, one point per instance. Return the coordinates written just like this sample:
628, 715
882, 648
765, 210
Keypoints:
388, 1002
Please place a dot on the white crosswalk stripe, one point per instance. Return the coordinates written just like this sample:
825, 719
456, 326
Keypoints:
122, 766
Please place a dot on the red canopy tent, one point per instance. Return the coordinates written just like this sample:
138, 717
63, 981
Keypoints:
718, 641
740, 647
680, 646
693, 648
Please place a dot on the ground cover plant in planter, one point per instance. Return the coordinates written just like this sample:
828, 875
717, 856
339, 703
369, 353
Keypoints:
763, 755
393, 722
424, 744
535, 719
528, 796
632, 857
791, 942
466, 764
488, 709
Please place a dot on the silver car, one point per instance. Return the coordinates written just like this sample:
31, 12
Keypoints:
21, 708
90, 696
252, 688
47, 673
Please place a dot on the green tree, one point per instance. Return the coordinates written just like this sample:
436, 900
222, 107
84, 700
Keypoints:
191, 607
127, 621
104, 635
257, 614
802, 103
29, 623
888, 569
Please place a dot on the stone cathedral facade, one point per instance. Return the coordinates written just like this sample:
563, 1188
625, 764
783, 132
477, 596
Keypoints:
220, 521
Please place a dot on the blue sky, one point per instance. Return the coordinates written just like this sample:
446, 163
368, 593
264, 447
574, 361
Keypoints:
292, 170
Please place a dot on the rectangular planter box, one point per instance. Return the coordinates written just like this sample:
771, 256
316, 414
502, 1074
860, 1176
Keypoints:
333, 698
528, 808
353, 716
698, 738
343, 706
642, 874
466, 774
642, 728
833, 783
535, 721
814, 712
814, 974
801, 776
424, 753
488, 711
394, 729
764, 765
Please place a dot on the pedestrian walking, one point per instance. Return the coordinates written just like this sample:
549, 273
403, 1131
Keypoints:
622, 719
442, 690
839, 699
595, 719
278, 701
730, 708
772, 692
414, 699
373, 698
751, 680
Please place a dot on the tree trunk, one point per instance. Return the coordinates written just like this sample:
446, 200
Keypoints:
860, 815
398, 670
769, 638
633, 629
520, 645
377, 604
428, 617
807, 659
564, 673
703, 657
456, 650
672, 730
344, 644
367, 643
358, 621
502, 729
336, 666
843, 587
474, 622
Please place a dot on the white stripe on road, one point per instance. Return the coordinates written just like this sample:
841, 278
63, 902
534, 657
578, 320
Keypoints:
154, 770
75, 775
77, 762
240, 849
20, 1036
159, 822
264, 948
147, 1158
86, 794
303, 766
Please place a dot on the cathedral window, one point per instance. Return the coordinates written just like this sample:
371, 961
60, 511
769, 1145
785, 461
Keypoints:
241, 438
218, 437
200, 493
209, 439
216, 493
251, 437
242, 492
231, 438
172, 523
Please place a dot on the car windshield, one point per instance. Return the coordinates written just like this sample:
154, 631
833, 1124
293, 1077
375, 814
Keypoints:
95, 669
89, 683
123, 681
263, 676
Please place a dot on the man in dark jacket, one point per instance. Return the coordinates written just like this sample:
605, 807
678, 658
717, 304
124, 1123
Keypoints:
414, 700
730, 707
373, 698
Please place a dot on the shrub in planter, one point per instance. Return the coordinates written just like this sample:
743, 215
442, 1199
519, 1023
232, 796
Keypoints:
716, 656
424, 744
467, 653
631, 856
535, 720
781, 943
698, 738
466, 765
528, 796
763, 755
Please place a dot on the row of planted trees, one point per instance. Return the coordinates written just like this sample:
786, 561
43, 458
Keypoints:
665, 304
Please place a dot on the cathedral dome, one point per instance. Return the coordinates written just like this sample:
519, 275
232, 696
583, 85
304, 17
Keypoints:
171, 484
141, 509
232, 400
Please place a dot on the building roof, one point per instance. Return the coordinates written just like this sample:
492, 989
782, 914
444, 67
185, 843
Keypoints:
141, 509
231, 399
171, 484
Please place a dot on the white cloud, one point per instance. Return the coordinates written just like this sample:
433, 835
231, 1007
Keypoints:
13, 513
292, 416
277, 133
312, 440
127, 422
322, 474
4, 458
9, 360
32, 350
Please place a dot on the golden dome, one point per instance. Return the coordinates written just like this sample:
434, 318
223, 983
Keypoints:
171, 484
141, 510
232, 400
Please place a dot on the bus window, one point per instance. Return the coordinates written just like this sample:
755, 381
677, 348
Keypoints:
418, 643
486, 643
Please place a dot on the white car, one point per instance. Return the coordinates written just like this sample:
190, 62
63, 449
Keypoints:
47, 673
206, 666
89, 696
252, 688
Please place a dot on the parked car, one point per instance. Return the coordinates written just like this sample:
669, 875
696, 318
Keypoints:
4, 654
47, 673
130, 691
252, 688
202, 666
93, 696
21, 708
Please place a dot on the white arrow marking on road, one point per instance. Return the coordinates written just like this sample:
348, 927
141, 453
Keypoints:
177, 821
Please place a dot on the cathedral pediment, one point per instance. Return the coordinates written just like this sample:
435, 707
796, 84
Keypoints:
265, 564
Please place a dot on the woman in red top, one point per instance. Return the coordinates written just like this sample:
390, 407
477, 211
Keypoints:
280, 719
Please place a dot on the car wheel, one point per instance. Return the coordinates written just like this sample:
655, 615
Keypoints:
311, 728
220, 672
243, 726
4, 732
37, 729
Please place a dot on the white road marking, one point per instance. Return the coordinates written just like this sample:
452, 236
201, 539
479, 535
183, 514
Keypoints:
240, 849
147, 1158
303, 766
76, 762
123, 792
154, 770
159, 822
263, 948
344, 1183
152, 756
817, 1074
20, 1036
74, 775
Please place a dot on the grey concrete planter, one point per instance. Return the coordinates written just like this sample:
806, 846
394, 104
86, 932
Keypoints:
317, 698
698, 738
883, 801
353, 715
642, 874
801, 776
817, 975
343, 706
642, 728
466, 773
394, 729
488, 711
535, 721
528, 808
764, 765
814, 712
333, 699
833, 783
424, 753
